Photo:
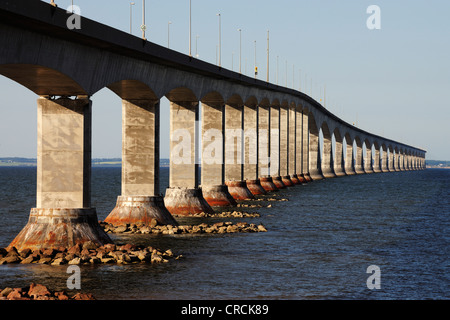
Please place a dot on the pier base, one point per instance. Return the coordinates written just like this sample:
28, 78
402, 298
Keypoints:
239, 190
218, 196
55, 228
301, 178
294, 179
255, 187
267, 184
287, 181
140, 210
307, 177
278, 182
316, 174
185, 202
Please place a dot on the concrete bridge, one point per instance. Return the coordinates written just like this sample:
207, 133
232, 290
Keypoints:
257, 137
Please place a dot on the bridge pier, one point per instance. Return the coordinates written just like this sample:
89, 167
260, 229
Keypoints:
275, 147
339, 168
139, 202
376, 161
368, 167
264, 150
284, 146
63, 215
184, 197
214, 189
292, 145
327, 161
391, 161
315, 170
234, 139
251, 149
359, 168
349, 160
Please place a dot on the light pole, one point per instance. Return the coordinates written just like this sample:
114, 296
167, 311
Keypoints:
267, 55
256, 67
220, 40
196, 43
190, 28
240, 50
131, 16
143, 27
168, 34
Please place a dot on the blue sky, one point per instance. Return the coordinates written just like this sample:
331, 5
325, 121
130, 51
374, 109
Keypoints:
393, 82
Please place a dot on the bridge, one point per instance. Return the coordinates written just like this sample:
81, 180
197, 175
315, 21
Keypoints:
257, 137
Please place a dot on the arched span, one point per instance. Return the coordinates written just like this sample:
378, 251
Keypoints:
132, 90
42, 80
181, 94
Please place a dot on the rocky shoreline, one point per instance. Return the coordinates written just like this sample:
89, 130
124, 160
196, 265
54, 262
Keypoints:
40, 292
88, 253
219, 228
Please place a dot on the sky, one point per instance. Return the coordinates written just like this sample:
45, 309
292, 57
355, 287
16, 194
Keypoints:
393, 81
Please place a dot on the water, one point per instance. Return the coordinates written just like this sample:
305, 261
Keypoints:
318, 245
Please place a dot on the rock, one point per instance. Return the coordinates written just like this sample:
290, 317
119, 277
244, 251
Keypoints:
15, 294
50, 253
76, 249
58, 262
89, 245
45, 260
121, 228
261, 228
83, 296
75, 261
61, 295
28, 260
38, 290
11, 259
5, 292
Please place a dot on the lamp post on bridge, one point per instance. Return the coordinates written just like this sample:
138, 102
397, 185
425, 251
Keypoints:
143, 27
131, 17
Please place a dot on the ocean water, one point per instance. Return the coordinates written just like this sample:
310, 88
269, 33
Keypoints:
319, 244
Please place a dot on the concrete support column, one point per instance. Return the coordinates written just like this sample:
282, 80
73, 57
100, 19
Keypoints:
234, 136
264, 157
292, 138
63, 215
284, 146
376, 161
184, 197
359, 168
251, 150
275, 147
305, 146
407, 162
384, 162
139, 202
327, 161
213, 185
368, 167
391, 161
401, 165
339, 168
349, 165
299, 145
314, 157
